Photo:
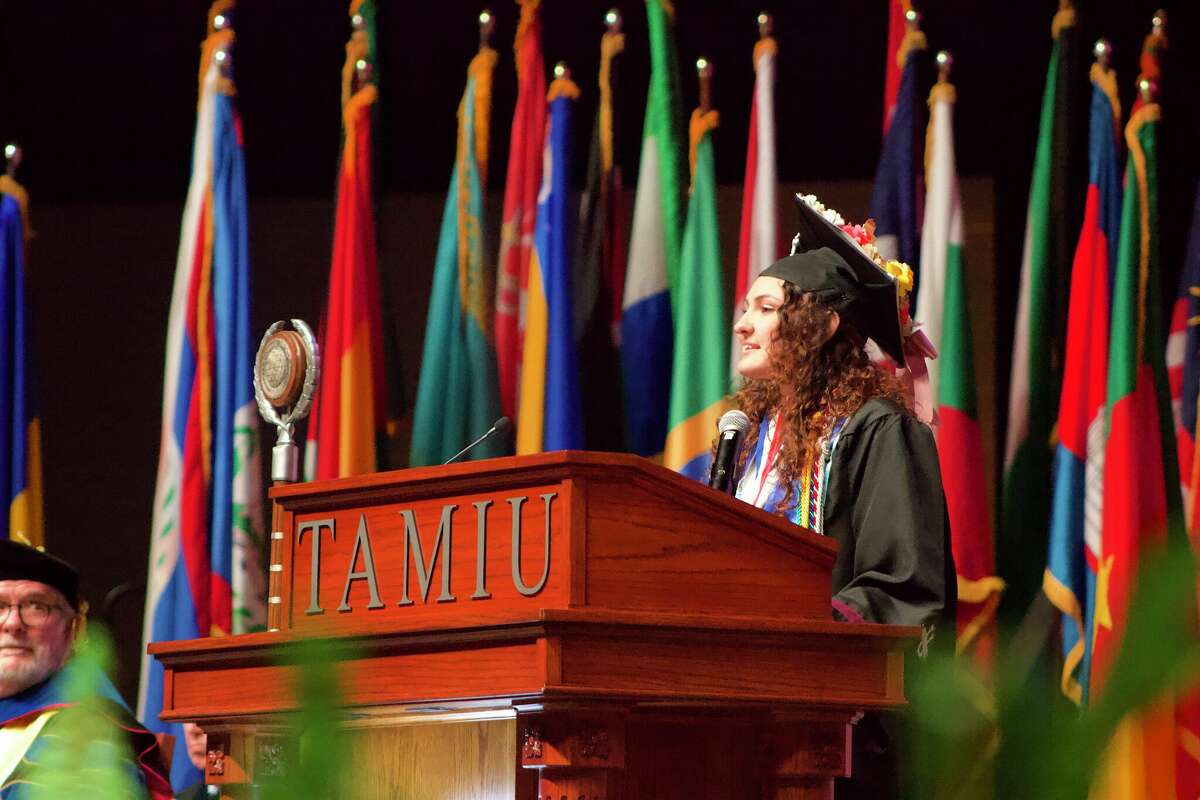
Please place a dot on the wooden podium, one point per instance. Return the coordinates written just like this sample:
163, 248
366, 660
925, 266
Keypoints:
567, 625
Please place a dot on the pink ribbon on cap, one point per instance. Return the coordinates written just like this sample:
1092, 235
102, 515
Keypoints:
918, 348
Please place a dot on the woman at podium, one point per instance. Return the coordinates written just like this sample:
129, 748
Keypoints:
835, 443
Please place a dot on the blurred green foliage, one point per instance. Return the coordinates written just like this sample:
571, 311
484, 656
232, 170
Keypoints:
315, 744
1017, 735
82, 754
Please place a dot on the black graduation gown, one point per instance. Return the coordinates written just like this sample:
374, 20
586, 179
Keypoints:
885, 506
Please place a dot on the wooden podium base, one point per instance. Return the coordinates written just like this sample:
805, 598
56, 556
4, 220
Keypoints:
573, 753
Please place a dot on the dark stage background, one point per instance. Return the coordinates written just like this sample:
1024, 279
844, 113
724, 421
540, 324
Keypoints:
102, 98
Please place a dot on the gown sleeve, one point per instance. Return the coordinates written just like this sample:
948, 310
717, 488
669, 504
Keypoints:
888, 511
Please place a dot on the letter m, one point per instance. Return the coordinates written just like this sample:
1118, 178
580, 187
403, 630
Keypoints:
412, 547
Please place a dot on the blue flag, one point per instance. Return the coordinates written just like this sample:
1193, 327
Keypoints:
894, 195
205, 576
20, 436
550, 415
1070, 577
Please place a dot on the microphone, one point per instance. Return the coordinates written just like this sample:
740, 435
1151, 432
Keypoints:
731, 432
501, 427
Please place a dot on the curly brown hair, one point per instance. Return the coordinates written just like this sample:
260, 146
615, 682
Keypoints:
815, 380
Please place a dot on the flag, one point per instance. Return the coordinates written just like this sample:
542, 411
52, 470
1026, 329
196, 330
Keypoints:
520, 204
1183, 369
1183, 365
946, 320
1142, 510
599, 269
1070, 577
20, 428
894, 194
893, 64
646, 333
347, 429
1038, 333
700, 369
205, 576
457, 398
758, 241
549, 412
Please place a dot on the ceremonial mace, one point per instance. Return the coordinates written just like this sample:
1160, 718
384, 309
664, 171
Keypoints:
285, 377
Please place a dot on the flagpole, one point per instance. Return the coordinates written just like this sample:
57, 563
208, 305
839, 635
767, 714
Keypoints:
945, 63
487, 25
12, 159
704, 71
766, 24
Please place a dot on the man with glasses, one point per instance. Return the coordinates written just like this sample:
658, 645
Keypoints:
40, 616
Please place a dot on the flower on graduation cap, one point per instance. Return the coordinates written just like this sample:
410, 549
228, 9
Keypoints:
816, 205
903, 275
860, 233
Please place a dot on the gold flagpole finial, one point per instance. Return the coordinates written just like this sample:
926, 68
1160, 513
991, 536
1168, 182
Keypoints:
1148, 90
704, 70
1158, 23
487, 24
1102, 50
912, 19
12, 159
766, 24
562, 71
613, 21
945, 63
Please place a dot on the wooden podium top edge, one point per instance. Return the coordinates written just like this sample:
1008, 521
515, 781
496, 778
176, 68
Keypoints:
549, 621
543, 467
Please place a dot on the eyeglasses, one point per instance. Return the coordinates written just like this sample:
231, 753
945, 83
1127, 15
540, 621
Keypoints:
32, 613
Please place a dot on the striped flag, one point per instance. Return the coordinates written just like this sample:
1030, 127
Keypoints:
1142, 510
347, 429
946, 320
894, 194
20, 428
646, 332
457, 398
549, 412
205, 576
758, 241
520, 204
1183, 368
1038, 333
1070, 578
599, 265
700, 373
893, 64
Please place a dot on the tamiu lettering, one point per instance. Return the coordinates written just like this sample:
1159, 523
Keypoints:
421, 563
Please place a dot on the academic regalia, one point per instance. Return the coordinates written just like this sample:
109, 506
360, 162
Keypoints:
874, 485
31, 720
877, 490
37, 712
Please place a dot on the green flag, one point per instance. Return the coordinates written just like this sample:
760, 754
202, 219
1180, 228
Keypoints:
1051, 225
700, 366
457, 396
653, 248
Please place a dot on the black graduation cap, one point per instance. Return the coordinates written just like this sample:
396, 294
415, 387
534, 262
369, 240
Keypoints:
833, 266
20, 562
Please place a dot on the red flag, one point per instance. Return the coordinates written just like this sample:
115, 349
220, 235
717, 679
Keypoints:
520, 203
349, 407
894, 65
